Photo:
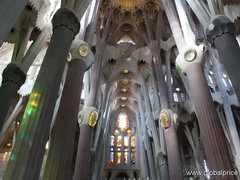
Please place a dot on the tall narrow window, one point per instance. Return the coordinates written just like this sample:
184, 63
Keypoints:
126, 139
133, 141
112, 141
119, 141
122, 122
111, 158
119, 157
133, 157
125, 157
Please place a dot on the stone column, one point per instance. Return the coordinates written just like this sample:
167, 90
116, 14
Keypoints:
26, 158
172, 145
216, 150
146, 141
61, 150
220, 34
13, 79
62, 139
89, 118
9, 12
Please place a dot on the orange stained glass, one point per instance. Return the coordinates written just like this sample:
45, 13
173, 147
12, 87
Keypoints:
119, 154
126, 141
119, 141
133, 144
122, 122
129, 132
112, 141
125, 157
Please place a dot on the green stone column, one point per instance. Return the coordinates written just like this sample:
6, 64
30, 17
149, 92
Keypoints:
27, 155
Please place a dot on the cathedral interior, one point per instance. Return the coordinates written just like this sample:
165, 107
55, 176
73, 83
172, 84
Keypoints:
119, 89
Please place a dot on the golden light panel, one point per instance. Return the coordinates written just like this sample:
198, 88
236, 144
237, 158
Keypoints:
128, 5
125, 71
124, 90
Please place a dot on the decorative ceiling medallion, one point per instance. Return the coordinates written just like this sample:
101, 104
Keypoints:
124, 98
125, 71
128, 5
125, 81
124, 90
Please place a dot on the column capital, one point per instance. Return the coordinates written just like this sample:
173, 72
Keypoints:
81, 50
219, 26
88, 116
13, 73
167, 118
189, 55
65, 17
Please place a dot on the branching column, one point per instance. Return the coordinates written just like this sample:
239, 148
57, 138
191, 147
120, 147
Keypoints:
62, 139
61, 150
13, 79
220, 34
26, 158
172, 145
217, 154
89, 113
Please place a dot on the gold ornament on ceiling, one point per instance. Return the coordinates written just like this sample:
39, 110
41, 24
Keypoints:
128, 5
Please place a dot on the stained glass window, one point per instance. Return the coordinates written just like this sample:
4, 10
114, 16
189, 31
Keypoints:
122, 122
119, 141
126, 140
119, 154
125, 157
111, 160
116, 132
133, 141
129, 132
112, 141
133, 157
122, 142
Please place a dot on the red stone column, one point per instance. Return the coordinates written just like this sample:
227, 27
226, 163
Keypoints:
216, 150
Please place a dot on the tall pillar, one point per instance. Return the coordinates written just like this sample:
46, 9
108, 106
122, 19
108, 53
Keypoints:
146, 141
59, 160
13, 79
172, 146
26, 158
9, 12
216, 150
89, 117
60, 154
220, 34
